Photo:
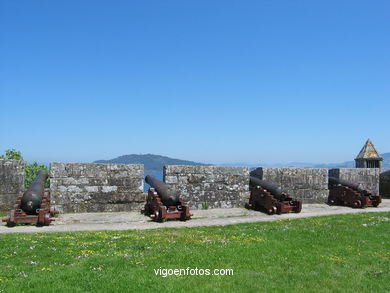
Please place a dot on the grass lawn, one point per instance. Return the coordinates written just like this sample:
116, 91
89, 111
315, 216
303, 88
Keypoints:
348, 253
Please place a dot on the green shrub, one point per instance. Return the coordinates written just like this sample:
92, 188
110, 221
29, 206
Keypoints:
31, 173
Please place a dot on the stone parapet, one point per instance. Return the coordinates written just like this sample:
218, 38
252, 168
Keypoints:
210, 186
80, 187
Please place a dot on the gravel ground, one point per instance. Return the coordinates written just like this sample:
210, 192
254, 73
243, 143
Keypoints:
211, 217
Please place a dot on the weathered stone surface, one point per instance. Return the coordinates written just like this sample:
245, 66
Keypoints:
79, 187
368, 177
11, 182
384, 185
307, 184
217, 187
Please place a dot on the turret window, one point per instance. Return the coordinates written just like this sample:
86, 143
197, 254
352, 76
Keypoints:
372, 164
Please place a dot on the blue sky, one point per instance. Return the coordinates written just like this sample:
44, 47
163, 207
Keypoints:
210, 81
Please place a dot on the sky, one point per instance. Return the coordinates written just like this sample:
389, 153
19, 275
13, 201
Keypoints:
209, 81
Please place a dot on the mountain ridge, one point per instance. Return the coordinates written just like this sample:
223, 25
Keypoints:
155, 163
152, 163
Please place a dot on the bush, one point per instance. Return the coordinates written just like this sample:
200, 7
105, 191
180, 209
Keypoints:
31, 173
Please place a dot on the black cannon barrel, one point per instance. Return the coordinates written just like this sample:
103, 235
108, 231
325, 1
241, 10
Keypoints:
355, 186
273, 188
168, 194
32, 198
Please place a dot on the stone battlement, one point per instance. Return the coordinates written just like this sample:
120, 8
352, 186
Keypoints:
82, 187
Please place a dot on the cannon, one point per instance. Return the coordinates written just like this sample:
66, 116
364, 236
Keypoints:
164, 203
269, 198
343, 192
33, 205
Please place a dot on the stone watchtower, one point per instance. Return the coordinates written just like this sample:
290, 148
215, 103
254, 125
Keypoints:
368, 157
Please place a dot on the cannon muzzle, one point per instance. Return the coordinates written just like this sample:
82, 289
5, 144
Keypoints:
168, 194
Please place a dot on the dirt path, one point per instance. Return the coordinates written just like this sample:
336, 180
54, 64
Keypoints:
212, 217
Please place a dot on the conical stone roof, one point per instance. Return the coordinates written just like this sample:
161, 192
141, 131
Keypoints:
369, 152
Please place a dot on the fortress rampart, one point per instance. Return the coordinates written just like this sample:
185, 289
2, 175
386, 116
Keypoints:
82, 187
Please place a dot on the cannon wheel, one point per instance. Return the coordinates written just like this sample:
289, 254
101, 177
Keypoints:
157, 215
297, 206
272, 210
41, 218
47, 220
357, 204
11, 224
160, 214
183, 215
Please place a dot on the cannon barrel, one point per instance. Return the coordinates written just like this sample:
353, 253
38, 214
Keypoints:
32, 198
168, 194
355, 186
274, 189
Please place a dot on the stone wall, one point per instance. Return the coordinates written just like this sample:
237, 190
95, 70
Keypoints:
384, 185
307, 184
368, 177
217, 187
11, 182
77, 187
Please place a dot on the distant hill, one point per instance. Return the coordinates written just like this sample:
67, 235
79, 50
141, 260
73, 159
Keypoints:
152, 163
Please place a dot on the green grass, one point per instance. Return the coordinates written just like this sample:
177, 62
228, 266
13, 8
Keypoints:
348, 253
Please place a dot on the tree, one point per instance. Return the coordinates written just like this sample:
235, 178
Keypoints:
12, 154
